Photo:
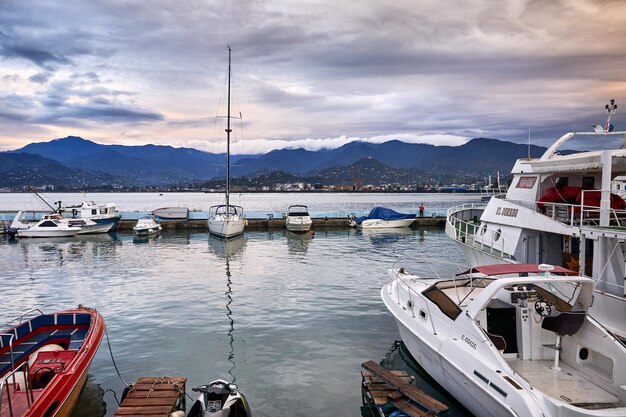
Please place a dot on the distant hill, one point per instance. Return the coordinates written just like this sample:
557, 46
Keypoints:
23, 170
152, 165
140, 165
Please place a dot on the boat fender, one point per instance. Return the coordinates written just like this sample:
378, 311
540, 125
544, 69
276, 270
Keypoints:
177, 413
246, 222
74, 213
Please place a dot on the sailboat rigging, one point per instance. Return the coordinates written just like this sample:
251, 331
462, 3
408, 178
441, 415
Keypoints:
227, 220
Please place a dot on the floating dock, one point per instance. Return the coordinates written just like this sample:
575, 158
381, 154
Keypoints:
319, 223
389, 390
153, 396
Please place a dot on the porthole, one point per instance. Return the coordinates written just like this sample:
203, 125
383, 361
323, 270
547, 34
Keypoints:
483, 229
409, 304
583, 354
423, 314
497, 235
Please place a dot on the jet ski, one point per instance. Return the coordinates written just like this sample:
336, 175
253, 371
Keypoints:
219, 399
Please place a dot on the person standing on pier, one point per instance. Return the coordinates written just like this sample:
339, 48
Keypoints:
421, 210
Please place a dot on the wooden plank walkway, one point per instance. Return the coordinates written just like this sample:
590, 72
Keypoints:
395, 388
153, 397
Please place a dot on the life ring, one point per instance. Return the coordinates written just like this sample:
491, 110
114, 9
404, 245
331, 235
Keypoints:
74, 213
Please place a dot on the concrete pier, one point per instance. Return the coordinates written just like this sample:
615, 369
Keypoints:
275, 224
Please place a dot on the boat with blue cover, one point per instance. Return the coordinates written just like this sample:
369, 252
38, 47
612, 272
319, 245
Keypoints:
382, 217
44, 360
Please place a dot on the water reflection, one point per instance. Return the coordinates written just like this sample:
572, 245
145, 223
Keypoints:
227, 249
152, 239
387, 236
298, 243
90, 401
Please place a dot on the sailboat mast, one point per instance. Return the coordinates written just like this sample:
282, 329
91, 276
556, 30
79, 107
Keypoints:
228, 130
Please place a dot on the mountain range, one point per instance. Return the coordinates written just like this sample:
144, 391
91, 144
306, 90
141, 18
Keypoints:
75, 162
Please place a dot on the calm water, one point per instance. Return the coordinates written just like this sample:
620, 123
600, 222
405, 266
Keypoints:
290, 318
256, 205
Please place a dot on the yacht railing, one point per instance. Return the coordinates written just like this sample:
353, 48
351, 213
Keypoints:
465, 221
10, 379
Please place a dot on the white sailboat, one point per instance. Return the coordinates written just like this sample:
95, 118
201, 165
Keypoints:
227, 220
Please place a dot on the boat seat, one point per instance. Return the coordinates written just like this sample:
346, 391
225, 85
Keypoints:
565, 323
27, 346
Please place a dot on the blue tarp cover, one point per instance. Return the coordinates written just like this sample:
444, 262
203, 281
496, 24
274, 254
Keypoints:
384, 214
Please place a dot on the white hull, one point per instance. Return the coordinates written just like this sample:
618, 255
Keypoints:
147, 231
96, 228
171, 213
385, 224
224, 226
459, 355
47, 233
298, 224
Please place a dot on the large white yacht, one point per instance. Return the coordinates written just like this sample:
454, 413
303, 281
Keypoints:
558, 210
510, 339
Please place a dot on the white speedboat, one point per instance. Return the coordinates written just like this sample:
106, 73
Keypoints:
383, 218
219, 399
50, 225
147, 226
298, 219
559, 209
55, 225
227, 220
511, 340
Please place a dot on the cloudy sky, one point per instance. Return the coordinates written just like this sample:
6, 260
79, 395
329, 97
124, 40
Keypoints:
308, 74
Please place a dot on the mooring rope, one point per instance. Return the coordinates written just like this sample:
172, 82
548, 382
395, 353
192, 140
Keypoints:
112, 358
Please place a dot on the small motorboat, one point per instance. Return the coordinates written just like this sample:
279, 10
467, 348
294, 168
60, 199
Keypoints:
147, 226
171, 213
44, 360
298, 219
510, 339
55, 225
50, 225
383, 218
219, 399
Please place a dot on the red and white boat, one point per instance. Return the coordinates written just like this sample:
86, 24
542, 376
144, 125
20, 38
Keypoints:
44, 359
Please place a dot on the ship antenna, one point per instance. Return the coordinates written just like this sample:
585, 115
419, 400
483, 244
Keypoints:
611, 108
529, 144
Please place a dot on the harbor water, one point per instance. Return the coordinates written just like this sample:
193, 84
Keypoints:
289, 318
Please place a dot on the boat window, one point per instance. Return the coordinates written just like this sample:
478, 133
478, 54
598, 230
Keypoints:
483, 229
298, 213
441, 300
103, 211
526, 182
48, 223
94, 211
497, 235
588, 183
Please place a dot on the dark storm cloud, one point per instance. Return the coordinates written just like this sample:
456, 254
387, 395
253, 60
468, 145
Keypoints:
323, 70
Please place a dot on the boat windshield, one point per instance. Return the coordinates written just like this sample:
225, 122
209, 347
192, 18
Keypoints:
451, 295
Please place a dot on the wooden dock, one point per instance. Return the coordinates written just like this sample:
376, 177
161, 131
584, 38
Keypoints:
153, 397
382, 387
